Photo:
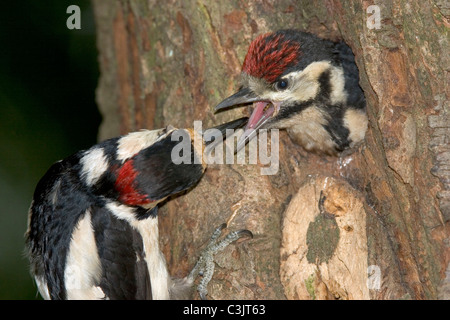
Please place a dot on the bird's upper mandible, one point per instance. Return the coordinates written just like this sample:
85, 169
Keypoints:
305, 84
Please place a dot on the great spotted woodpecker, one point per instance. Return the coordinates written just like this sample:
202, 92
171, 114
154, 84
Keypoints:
93, 227
307, 85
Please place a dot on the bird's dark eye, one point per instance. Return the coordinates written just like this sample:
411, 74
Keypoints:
282, 84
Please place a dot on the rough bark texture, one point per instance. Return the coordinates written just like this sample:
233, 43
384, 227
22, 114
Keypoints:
324, 227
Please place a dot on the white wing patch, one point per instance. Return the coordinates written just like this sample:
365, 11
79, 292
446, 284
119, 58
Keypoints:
156, 263
94, 164
83, 267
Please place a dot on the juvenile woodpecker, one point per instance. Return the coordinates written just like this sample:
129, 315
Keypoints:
93, 228
306, 85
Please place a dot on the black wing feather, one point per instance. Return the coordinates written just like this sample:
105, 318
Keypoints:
124, 271
60, 201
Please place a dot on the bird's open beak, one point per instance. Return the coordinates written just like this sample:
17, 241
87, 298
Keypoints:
243, 96
235, 124
263, 110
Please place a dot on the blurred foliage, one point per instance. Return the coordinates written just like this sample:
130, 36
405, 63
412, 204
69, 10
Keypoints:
48, 76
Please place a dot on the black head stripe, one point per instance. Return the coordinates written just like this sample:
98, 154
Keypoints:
325, 86
291, 111
355, 97
335, 126
109, 148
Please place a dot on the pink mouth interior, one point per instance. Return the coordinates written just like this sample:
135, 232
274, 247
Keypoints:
259, 114
262, 112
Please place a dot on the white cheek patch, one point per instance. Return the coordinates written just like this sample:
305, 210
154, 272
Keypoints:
302, 89
94, 164
134, 142
306, 84
305, 89
303, 85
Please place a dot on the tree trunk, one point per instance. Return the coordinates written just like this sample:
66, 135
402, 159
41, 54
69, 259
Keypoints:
370, 225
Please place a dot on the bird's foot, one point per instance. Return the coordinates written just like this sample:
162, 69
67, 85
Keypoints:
205, 264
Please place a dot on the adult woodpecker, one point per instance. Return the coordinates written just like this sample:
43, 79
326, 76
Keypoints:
306, 85
93, 227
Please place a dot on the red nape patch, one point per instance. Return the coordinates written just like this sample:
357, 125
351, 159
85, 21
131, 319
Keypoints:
126, 186
269, 55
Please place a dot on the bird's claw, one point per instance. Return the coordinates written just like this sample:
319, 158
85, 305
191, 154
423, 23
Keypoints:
205, 264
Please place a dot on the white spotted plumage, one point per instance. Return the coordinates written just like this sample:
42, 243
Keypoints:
93, 227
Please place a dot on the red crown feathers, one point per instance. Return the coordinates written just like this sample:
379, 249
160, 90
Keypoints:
269, 55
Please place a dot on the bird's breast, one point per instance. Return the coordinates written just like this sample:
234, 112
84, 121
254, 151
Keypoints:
308, 130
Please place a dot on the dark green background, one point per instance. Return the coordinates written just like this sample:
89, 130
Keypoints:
48, 76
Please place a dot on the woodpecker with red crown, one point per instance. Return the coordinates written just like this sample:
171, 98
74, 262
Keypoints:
306, 85
93, 227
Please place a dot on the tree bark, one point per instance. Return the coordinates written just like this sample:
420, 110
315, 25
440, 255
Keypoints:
370, 225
